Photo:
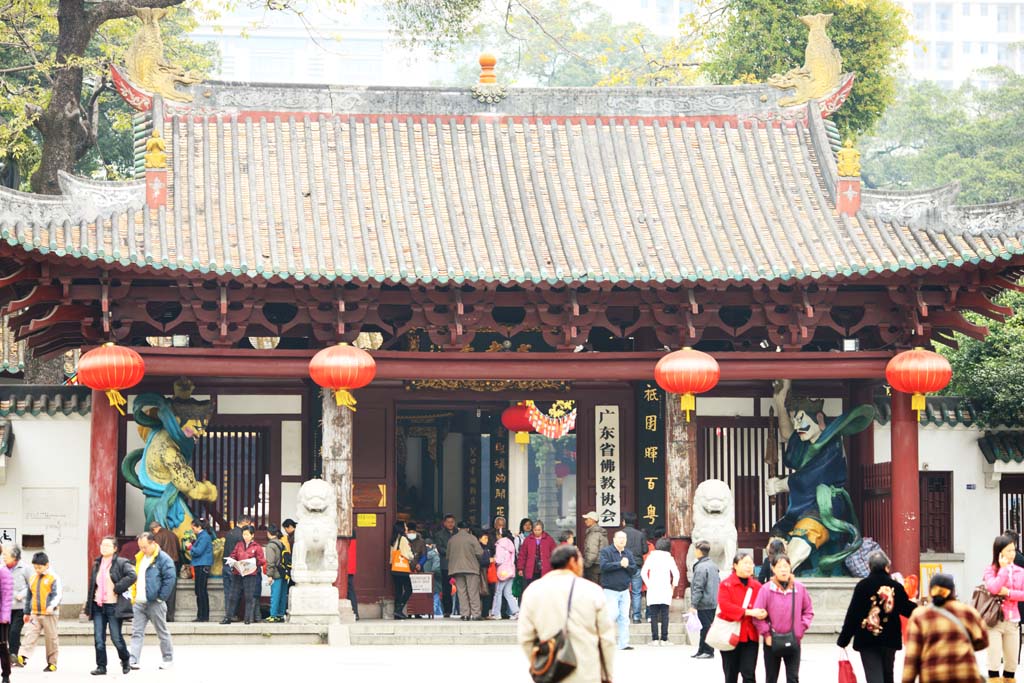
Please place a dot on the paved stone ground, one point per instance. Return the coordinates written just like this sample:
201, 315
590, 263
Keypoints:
497, 664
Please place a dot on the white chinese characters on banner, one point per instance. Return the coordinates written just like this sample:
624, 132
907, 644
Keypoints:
606, 433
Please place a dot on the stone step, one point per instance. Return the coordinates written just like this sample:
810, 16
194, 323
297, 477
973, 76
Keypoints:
211, 633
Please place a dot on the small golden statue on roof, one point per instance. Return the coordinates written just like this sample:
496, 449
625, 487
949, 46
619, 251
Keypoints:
848, 161
822, 66
156, 151
145, 60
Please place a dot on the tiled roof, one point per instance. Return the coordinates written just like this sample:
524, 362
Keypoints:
12, 352
420, 185
1006, 446
44, 400
950, 411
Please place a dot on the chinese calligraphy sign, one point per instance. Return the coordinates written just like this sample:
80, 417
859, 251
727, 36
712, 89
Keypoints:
606, 433
651, 450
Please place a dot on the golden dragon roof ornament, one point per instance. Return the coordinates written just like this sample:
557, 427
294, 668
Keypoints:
145, 60
822, 67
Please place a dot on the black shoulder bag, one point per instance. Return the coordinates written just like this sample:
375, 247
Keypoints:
554, 659
786, 642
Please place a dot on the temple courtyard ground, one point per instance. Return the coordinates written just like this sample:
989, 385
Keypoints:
427, 663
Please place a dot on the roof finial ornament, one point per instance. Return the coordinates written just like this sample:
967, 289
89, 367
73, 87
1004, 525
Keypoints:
145, 60
487, 90
848, 161
822, 66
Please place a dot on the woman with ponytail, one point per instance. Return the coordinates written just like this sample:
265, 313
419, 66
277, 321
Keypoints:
942, 638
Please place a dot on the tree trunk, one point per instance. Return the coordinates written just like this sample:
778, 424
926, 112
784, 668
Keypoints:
65, 135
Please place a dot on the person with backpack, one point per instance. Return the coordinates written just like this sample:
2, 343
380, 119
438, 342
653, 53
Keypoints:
789, 613
278, 573
942, 638
505, 568
1005, 579
873, 620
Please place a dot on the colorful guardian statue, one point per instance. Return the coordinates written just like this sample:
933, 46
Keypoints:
819, 526
162, 469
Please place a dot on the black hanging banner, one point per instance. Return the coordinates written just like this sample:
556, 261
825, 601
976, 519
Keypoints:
499, 474
471, 480
650, 411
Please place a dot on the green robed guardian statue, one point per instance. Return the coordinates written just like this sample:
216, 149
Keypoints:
820, 526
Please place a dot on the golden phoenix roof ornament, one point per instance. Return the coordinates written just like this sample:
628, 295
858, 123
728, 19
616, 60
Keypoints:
822, 67
145, 60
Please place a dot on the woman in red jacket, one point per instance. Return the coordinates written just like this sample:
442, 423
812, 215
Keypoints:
736, 596
535, 554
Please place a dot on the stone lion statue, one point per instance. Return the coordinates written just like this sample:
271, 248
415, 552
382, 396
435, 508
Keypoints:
714, 521
315, 552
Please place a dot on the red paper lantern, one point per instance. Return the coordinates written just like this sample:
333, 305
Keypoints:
343, 368
918, 372
561, 470
110, 368
517, 419
687, 372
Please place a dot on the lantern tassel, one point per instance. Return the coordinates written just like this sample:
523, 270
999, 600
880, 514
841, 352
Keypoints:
688, 402
345, 398
116, 400
523, 437
917, 402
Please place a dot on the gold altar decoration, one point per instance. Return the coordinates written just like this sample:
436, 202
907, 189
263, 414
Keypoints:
156, 151
822, 67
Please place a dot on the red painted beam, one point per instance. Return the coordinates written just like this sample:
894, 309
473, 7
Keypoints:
525, 366
102, 473
906, 489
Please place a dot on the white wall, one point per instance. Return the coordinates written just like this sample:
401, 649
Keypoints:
47, 493
975, 511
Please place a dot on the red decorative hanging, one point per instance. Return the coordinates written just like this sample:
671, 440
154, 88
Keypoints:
517, 419
918, 372
111, 368
551, 427
687, 372
342, 369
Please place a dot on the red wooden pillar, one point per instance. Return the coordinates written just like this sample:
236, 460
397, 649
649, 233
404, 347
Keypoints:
906, 493
102, 472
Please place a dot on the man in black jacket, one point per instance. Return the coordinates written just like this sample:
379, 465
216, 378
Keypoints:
636, 543
876, 638
618, 565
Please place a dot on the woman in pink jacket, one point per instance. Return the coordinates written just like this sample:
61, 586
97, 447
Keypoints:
1006, 579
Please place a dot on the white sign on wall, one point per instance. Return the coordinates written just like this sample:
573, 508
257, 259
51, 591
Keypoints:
606, 440
52, 511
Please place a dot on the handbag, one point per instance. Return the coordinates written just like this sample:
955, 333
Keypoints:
785, 642
399, 563
554, 659
990, 607
846, 674
725, 635
492, 573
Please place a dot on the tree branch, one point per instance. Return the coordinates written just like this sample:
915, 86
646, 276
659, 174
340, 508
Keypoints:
93, 109
16, 69
105, 11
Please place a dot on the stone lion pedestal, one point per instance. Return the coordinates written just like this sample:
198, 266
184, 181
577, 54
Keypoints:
314, 598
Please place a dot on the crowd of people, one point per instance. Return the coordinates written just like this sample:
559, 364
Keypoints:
139, 584
546, 585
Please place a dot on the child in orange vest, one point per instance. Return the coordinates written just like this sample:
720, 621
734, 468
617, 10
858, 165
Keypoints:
42, 606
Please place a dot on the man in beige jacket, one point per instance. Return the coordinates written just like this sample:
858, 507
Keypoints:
591, 631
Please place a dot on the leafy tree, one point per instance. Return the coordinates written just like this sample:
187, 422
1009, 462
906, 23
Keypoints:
990, 373
749, 40
568, 43
932, 136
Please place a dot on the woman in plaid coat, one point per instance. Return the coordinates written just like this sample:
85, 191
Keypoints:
942, 638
